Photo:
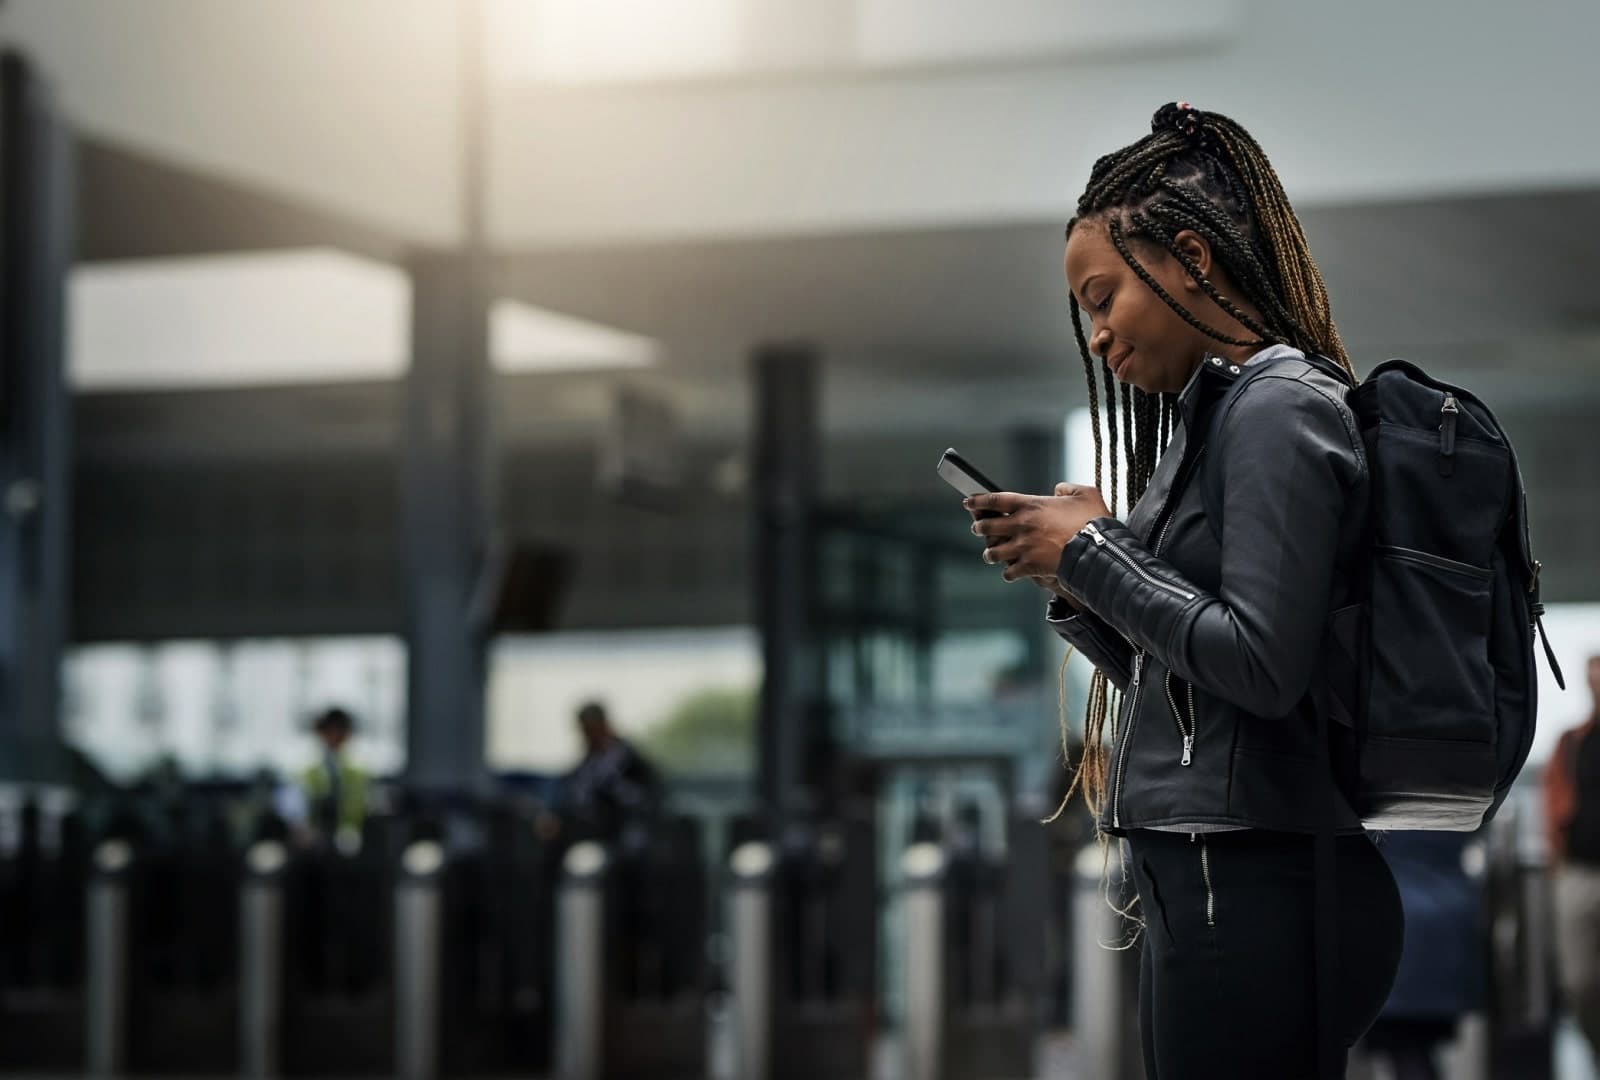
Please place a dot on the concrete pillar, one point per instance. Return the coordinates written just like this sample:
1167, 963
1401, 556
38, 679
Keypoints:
35, 412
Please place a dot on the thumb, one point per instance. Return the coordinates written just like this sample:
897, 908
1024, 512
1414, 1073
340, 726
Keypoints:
1065, 488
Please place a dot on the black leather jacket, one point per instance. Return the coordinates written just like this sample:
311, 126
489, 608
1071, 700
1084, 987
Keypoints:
1217, 647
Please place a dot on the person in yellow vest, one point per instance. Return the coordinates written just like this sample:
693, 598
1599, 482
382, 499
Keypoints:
337, 791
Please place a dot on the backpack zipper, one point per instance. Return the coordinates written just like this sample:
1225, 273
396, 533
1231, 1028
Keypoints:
1448, 412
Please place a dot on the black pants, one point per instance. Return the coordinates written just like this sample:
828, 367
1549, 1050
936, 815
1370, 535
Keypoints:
1227, 981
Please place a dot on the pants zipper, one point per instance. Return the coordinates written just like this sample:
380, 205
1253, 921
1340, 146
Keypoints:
1205, 872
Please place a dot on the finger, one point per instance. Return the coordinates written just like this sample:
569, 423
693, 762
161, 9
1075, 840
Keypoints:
1016, 572
1065, 488
994, 527
1001, 554
998, 554
1004, 502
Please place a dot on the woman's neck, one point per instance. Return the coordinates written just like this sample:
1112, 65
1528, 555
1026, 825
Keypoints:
1238, 354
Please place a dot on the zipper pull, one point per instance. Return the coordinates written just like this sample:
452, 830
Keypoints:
1448, 412
1092, 531
1188, 750
1138, 668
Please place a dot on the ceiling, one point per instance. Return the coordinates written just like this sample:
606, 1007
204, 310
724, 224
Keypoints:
948, 329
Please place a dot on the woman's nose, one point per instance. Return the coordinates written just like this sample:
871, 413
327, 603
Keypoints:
1100, 344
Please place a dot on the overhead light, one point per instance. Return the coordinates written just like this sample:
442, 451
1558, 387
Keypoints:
291, 317
587, 41
303, 316
524, 338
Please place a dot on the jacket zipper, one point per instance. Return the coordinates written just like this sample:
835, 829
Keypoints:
1127, 736
1100, 540
1092, 531
1188, 733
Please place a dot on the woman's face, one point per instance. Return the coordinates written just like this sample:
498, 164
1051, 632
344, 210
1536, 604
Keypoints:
1142, 340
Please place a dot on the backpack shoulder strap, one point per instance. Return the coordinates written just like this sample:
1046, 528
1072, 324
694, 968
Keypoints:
1210, 467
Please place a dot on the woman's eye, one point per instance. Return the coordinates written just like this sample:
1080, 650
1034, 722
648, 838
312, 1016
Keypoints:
1102, 305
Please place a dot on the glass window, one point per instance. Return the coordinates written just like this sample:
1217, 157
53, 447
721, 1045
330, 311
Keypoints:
686, 697
230, 708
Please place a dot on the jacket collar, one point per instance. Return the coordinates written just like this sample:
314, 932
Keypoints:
1215, 374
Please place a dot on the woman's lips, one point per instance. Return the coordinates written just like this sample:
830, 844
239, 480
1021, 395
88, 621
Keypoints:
1117, 363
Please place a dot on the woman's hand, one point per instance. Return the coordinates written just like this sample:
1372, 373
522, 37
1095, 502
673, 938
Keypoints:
1028, 539
1047, 582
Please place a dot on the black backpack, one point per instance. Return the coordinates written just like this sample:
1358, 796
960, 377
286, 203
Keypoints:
1430, 665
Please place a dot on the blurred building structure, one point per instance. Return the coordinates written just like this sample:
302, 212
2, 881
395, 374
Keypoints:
446, 339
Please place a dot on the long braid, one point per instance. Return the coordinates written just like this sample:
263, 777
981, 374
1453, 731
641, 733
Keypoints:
1094, 393
1254, 267
1129, 459
1111, 431
1204, 173
1301, 282
1170, 241
1148, 438
1155, 287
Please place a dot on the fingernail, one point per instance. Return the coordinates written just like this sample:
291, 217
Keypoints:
975, 531
967, 503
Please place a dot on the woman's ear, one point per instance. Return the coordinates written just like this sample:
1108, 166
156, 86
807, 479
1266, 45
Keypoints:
1198, 251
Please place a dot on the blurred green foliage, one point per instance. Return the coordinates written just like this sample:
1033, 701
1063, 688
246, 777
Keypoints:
709, 731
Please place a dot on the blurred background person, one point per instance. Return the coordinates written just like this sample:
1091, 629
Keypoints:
1572, 818
337, 792
612, 786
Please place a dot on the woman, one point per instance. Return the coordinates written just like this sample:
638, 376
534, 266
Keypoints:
1208, 634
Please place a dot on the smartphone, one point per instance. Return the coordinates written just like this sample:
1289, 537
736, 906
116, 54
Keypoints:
962, 475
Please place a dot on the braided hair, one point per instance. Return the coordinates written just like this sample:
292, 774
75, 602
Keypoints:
1196, 171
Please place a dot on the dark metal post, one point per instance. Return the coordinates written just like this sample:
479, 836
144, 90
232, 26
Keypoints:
786, 459
927, 998
1105, 974
261, 943
447, 481
448, 468
754, 984
418, 934
35, 411
106, 973
582, 985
